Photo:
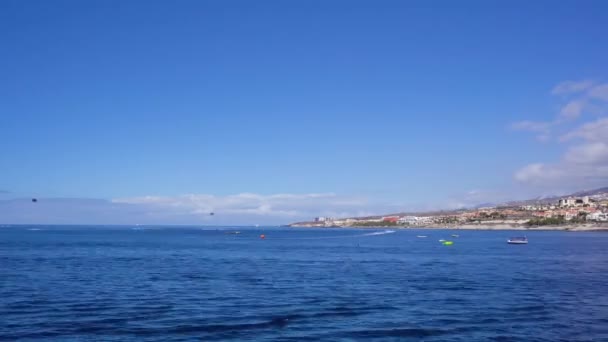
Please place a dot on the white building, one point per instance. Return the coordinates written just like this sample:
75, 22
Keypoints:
567, 202
408, 220
574, 202
425, 219
415, 220
601, 217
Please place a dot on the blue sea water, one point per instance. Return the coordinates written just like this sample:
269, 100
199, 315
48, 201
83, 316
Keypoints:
69, 283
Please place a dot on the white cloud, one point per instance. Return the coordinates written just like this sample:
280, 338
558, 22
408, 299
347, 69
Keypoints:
599, 92
533, 173
584, 97
239, 209
592, 131
572, 110
531, 126
584, 164
277, 206
570, 87
543, 137
541, 127
592, 154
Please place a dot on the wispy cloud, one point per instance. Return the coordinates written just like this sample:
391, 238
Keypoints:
584, 163
580, 97
531, 126
287, 206
237, 209
592, 131
599, 92
571, 87
543, 129
242, 209
572, 110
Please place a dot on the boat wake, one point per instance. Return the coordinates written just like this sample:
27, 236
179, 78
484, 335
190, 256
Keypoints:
378, 233
340, 236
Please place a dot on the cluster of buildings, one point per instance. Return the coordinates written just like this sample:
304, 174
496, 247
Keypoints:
416, 220
384, 220
575, 202
594, 209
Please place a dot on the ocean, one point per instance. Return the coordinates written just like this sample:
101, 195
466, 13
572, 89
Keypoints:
87, 283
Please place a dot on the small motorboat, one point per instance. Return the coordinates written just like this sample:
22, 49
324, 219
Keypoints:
455, 235
518, 240
441, 240
420, 236
233, 233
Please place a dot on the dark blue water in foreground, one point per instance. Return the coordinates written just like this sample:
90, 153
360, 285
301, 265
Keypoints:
109, 284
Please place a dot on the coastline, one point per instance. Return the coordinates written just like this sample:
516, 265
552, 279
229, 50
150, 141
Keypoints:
586, 227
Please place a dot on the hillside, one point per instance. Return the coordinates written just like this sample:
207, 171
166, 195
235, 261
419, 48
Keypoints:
596, 194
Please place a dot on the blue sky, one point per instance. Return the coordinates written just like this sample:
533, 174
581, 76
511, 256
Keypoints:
272, 111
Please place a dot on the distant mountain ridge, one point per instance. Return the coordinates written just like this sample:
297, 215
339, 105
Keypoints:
544, 199
555, 198
591, 192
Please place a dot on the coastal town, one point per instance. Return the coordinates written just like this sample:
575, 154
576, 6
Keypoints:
588, 211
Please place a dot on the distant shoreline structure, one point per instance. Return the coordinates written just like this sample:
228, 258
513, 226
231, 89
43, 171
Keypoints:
573, 228
581, 211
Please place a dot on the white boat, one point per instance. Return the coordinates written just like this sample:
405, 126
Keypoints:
421, 236
518, 240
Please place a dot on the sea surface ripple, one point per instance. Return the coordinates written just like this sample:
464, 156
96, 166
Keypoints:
71, 283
